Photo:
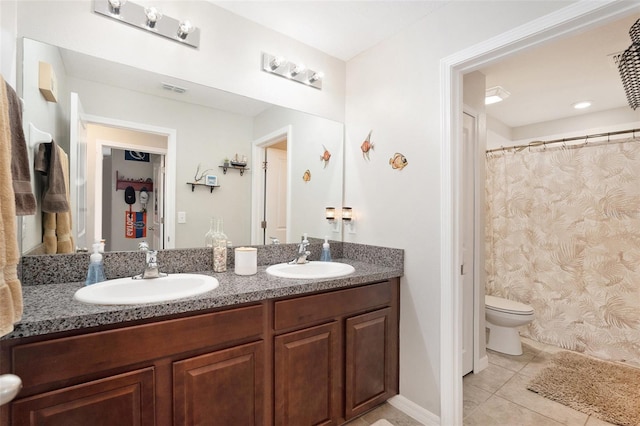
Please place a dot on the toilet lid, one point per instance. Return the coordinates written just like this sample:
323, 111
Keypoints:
508, 306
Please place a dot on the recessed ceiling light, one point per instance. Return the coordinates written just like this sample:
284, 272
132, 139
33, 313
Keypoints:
582, 104
495, 94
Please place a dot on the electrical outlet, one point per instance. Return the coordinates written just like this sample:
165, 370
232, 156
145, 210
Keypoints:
182, 217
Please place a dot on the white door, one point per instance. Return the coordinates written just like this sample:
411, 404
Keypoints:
156, 230
78, 167
276, 195
467, 235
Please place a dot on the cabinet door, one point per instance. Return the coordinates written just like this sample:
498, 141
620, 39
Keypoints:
220, 388
368, 361
307, 374
125, 399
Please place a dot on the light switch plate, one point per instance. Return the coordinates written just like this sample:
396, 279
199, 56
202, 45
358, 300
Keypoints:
182, 217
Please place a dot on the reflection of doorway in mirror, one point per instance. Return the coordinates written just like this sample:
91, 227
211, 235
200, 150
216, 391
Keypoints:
275, 192
271, 205
109, 145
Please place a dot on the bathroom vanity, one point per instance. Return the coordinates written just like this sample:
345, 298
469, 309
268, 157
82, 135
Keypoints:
282, 352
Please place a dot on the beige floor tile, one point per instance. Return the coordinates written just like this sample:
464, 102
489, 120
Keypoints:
513, 362
515, 390
473, 397
500, 412
392, 415
489, 379
533, 344
358, 422
537, 364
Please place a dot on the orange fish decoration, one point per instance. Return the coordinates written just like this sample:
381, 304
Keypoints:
325, 157
398, 161
366, 146
306, 176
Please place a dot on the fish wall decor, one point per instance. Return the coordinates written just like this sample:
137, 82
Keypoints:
398, 161
306, 176
366, 146
325, 157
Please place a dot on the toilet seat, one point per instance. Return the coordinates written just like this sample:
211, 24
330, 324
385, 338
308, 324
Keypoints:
507, 306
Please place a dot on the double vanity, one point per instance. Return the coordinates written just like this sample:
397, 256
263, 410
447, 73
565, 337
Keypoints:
255, 350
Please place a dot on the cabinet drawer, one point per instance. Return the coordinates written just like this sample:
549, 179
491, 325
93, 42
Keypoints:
77, 356
126, 399
312, 309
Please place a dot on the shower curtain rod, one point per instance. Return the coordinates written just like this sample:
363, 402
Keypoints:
563, 140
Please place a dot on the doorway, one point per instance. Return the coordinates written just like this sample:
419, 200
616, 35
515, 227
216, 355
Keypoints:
163, 173
573, 18
271, 204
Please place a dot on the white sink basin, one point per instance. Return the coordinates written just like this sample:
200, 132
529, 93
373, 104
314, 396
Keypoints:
311, 270
127, 291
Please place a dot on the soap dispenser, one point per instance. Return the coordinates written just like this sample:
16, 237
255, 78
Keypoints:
96, 269
326, 253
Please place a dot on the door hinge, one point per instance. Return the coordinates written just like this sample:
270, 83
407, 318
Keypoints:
264, 165
263, 224
462, 269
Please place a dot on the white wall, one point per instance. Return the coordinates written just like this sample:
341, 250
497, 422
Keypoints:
393, 89
229, 56
586, 124
8, 45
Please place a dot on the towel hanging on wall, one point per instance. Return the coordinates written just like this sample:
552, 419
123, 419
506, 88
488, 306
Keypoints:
20, 167
10, 286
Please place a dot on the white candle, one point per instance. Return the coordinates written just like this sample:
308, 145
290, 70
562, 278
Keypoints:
246, 260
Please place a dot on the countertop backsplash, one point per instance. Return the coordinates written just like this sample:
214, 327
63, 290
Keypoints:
62, 268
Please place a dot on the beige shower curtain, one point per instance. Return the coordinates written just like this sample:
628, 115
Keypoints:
563, 235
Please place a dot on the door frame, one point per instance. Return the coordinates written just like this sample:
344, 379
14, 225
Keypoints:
259, 147
566, 21
170, 167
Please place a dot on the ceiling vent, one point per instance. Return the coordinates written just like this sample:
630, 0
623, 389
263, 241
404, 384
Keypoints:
173, 88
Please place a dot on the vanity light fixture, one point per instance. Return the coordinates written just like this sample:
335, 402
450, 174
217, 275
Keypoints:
291, 71
348, 219
347, 214
495, 94
149, 18
330, 214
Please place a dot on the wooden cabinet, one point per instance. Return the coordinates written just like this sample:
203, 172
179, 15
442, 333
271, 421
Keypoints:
124, 400
370, 364
307, 376
329, 373
318, 359
223, 387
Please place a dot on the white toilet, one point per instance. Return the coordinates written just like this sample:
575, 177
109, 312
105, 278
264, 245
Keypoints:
504, 316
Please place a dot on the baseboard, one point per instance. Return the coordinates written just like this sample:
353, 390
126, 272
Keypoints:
412, 409
481, 364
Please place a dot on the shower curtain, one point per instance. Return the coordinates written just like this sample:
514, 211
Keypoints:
563, 235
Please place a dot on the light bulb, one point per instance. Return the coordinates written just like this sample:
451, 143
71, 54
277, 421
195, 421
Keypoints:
153, 16
184, 29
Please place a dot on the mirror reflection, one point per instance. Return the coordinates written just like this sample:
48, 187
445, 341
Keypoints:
147, 155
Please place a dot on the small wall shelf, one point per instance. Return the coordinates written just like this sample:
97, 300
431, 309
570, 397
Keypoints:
136, 184
241, 168
194, 184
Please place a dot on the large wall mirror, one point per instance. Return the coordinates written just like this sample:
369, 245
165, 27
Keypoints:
124, 127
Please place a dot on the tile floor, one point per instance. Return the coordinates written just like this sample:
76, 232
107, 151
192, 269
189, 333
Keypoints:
498, 396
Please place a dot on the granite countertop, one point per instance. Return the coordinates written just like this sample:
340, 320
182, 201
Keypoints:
51, 308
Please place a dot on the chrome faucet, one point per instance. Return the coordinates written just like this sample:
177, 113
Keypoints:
275, 240
301, 256
151, 263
